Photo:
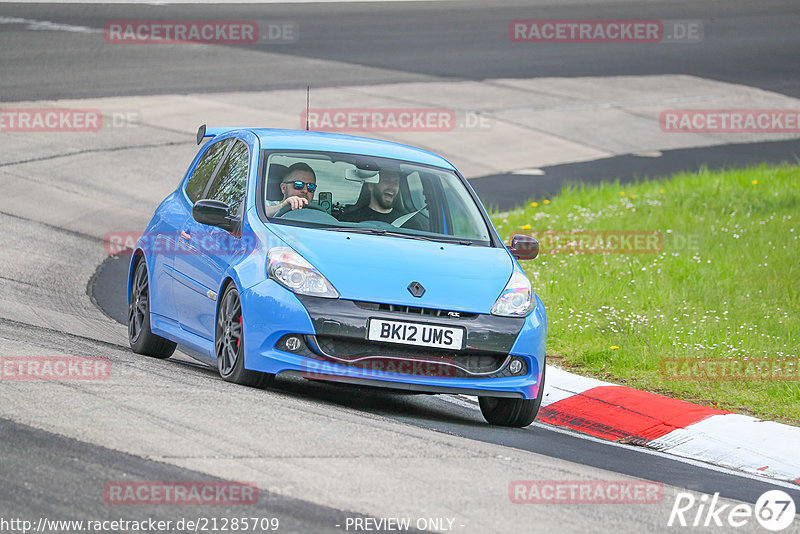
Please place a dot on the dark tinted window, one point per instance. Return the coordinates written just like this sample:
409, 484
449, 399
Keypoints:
205, 167
230, 183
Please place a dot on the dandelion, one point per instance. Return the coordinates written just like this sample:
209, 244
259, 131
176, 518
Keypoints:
622, 193
754, 182
633, 196
534, 204
661, 191
613, 347
546, 201
525, 227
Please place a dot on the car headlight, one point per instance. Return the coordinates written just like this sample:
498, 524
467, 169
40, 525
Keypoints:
516, 300
293, 272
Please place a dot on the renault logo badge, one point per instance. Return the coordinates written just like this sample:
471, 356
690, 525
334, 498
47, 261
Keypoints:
416, 289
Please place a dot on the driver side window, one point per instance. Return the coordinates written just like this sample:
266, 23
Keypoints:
230, 183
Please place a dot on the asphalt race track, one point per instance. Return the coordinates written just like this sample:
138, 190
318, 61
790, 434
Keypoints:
630, 168
458, 419
750, 43
324, 456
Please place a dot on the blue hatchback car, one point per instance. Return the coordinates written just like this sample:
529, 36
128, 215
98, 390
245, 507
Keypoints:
340, 259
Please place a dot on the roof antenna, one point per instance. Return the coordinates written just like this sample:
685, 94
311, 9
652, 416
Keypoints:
308, 99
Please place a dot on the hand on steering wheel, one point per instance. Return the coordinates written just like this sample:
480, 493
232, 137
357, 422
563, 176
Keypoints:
288, 207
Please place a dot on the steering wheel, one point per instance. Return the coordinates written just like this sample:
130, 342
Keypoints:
287, 208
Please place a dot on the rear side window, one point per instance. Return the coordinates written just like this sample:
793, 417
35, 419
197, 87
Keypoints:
205, 169
415, 189
230, 183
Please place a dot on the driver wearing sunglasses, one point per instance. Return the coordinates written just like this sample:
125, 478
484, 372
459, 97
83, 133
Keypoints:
298, 186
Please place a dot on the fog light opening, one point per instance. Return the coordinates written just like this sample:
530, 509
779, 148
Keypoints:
293, 343
515, 366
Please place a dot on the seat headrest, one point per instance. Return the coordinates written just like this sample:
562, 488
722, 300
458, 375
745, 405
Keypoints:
275, 176
363, 200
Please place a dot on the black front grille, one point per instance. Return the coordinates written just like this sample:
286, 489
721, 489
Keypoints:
413, 310
409, 360
342, 318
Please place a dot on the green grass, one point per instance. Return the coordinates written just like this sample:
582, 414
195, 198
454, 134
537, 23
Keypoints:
725, 285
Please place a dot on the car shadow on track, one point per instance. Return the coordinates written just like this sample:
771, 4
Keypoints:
378, 401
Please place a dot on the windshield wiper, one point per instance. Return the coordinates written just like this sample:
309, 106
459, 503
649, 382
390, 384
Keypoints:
356, 230
383, 231
378, 231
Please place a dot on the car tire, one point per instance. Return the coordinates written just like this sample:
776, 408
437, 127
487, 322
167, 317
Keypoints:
518, 413
141, 339
229, 343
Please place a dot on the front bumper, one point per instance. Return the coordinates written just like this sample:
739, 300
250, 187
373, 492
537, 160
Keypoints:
335, 348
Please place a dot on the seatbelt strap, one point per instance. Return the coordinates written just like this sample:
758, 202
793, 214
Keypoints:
400, 221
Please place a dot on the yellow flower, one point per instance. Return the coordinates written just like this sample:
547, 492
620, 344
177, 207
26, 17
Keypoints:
633, 196
525, 227
661, 191
754, 182
622, 193
614, 347
534, 204
546, 201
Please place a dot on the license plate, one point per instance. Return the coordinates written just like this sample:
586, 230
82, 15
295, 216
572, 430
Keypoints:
424, 335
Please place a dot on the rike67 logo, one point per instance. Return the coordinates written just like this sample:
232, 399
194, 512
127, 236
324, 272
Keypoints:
774, 510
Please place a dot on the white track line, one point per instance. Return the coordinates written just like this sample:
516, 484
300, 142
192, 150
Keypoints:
453, 399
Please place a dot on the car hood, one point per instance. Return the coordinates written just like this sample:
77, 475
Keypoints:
373, 268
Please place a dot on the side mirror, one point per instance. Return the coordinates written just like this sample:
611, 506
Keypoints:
524, 247
213, 213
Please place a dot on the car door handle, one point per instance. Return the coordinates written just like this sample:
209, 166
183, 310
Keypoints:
185, 235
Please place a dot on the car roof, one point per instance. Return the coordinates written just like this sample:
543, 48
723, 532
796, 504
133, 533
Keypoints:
277, 139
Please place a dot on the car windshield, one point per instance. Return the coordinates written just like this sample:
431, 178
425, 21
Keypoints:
372, 195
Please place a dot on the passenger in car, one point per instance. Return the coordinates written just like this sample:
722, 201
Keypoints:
298, 186
381, 206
